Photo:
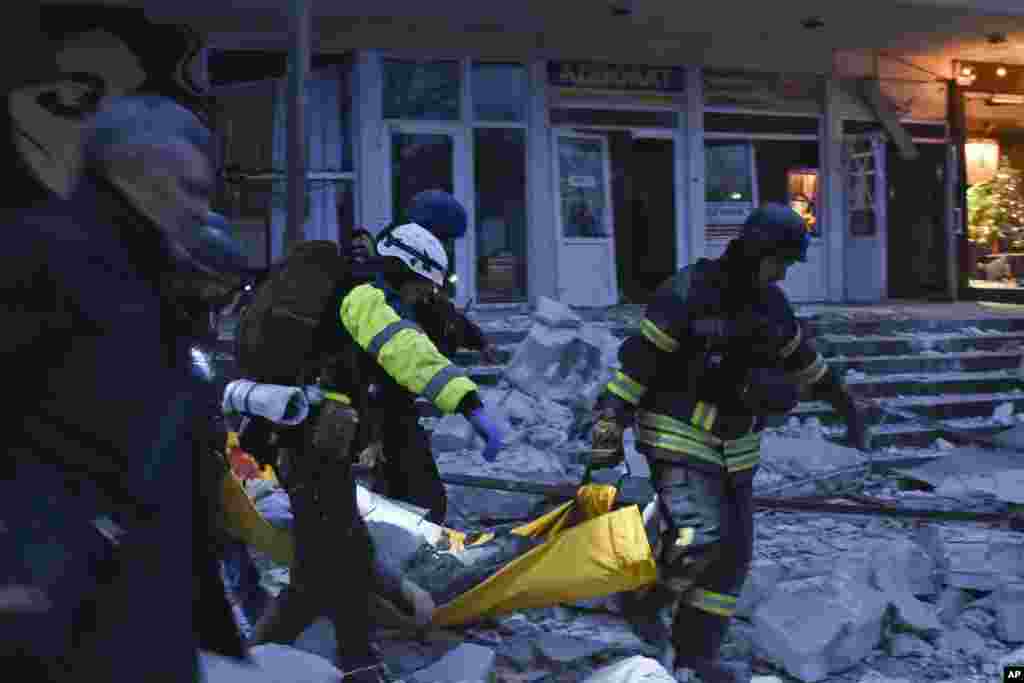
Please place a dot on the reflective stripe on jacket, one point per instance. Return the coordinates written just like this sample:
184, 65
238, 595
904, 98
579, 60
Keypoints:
402, 349
694, 442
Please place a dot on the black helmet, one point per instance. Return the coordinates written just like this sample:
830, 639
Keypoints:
775, 229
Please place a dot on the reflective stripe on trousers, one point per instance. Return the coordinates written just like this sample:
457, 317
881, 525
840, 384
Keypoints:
706, 552
680, 442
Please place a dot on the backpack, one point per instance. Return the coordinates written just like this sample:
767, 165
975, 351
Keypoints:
279, 332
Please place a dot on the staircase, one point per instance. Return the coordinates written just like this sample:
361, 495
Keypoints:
956, 371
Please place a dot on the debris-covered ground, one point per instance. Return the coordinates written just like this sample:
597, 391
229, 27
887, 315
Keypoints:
839, 598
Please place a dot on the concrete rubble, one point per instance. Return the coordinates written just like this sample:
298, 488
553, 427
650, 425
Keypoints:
842, 599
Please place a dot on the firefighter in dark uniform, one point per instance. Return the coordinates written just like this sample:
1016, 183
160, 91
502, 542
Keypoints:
719, 349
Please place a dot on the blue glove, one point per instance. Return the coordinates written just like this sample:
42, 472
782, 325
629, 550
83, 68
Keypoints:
489, 430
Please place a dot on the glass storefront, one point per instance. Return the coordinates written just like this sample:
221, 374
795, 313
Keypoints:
994, 156
476, 153
991, 122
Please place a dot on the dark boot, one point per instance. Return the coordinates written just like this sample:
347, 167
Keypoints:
285, 619
643, 612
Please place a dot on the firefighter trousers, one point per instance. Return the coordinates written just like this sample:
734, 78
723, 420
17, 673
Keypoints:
333, 568
706, 553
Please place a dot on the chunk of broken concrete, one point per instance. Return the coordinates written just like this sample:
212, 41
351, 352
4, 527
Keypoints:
1006, 558
762, 581
951, 604
803, 457
567, 650
907, 645
566, 365
273, 663
904, 566
962, 641
974, 472
468, 663
968, 568
1010, 612
451, 433
551, 313
815, 632
632, 670
1015, 657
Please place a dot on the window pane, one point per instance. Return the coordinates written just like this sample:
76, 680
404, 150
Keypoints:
728, 172
500, 92
414, 90
500, 161
582, 187
422, 161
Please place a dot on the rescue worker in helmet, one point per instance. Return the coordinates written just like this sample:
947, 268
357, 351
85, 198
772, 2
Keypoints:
719, 351
399, 447
370, 333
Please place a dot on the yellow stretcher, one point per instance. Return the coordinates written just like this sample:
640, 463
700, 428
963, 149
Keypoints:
589, 551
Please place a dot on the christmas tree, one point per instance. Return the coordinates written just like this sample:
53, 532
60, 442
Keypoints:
995, 209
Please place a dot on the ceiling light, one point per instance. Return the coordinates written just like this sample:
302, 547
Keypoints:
1001, 71
1006, 99
966, 71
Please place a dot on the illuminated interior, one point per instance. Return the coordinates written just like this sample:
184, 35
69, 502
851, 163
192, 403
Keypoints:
994, 157
802, 185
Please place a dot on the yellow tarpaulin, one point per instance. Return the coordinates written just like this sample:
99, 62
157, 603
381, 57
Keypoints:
243, 521
589, 552
603, 553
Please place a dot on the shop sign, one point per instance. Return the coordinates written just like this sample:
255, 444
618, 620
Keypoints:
763, 91
727, 213
619, 77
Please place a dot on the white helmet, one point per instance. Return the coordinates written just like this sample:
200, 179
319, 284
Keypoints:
418, 249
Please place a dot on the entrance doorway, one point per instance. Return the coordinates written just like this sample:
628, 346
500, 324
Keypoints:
917, 258
617, 214
643, 168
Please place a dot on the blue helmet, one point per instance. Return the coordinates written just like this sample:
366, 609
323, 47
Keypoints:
214, 247
440, 213
775, 229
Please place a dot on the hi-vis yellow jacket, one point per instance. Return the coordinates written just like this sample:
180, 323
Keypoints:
401, 348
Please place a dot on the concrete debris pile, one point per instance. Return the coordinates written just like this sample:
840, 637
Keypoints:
546, 391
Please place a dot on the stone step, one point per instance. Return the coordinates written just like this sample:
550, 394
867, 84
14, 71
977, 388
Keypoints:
911, 435
932, 361
849, 345
949, 406
829, 324
931, 384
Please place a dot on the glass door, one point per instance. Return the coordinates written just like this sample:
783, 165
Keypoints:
586, 260
428, 157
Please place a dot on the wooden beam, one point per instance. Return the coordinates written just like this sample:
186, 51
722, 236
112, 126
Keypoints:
870, 90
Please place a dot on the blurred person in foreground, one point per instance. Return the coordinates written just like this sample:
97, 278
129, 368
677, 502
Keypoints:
98, 509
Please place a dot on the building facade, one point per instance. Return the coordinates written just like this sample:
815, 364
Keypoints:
599, 152
587, 182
